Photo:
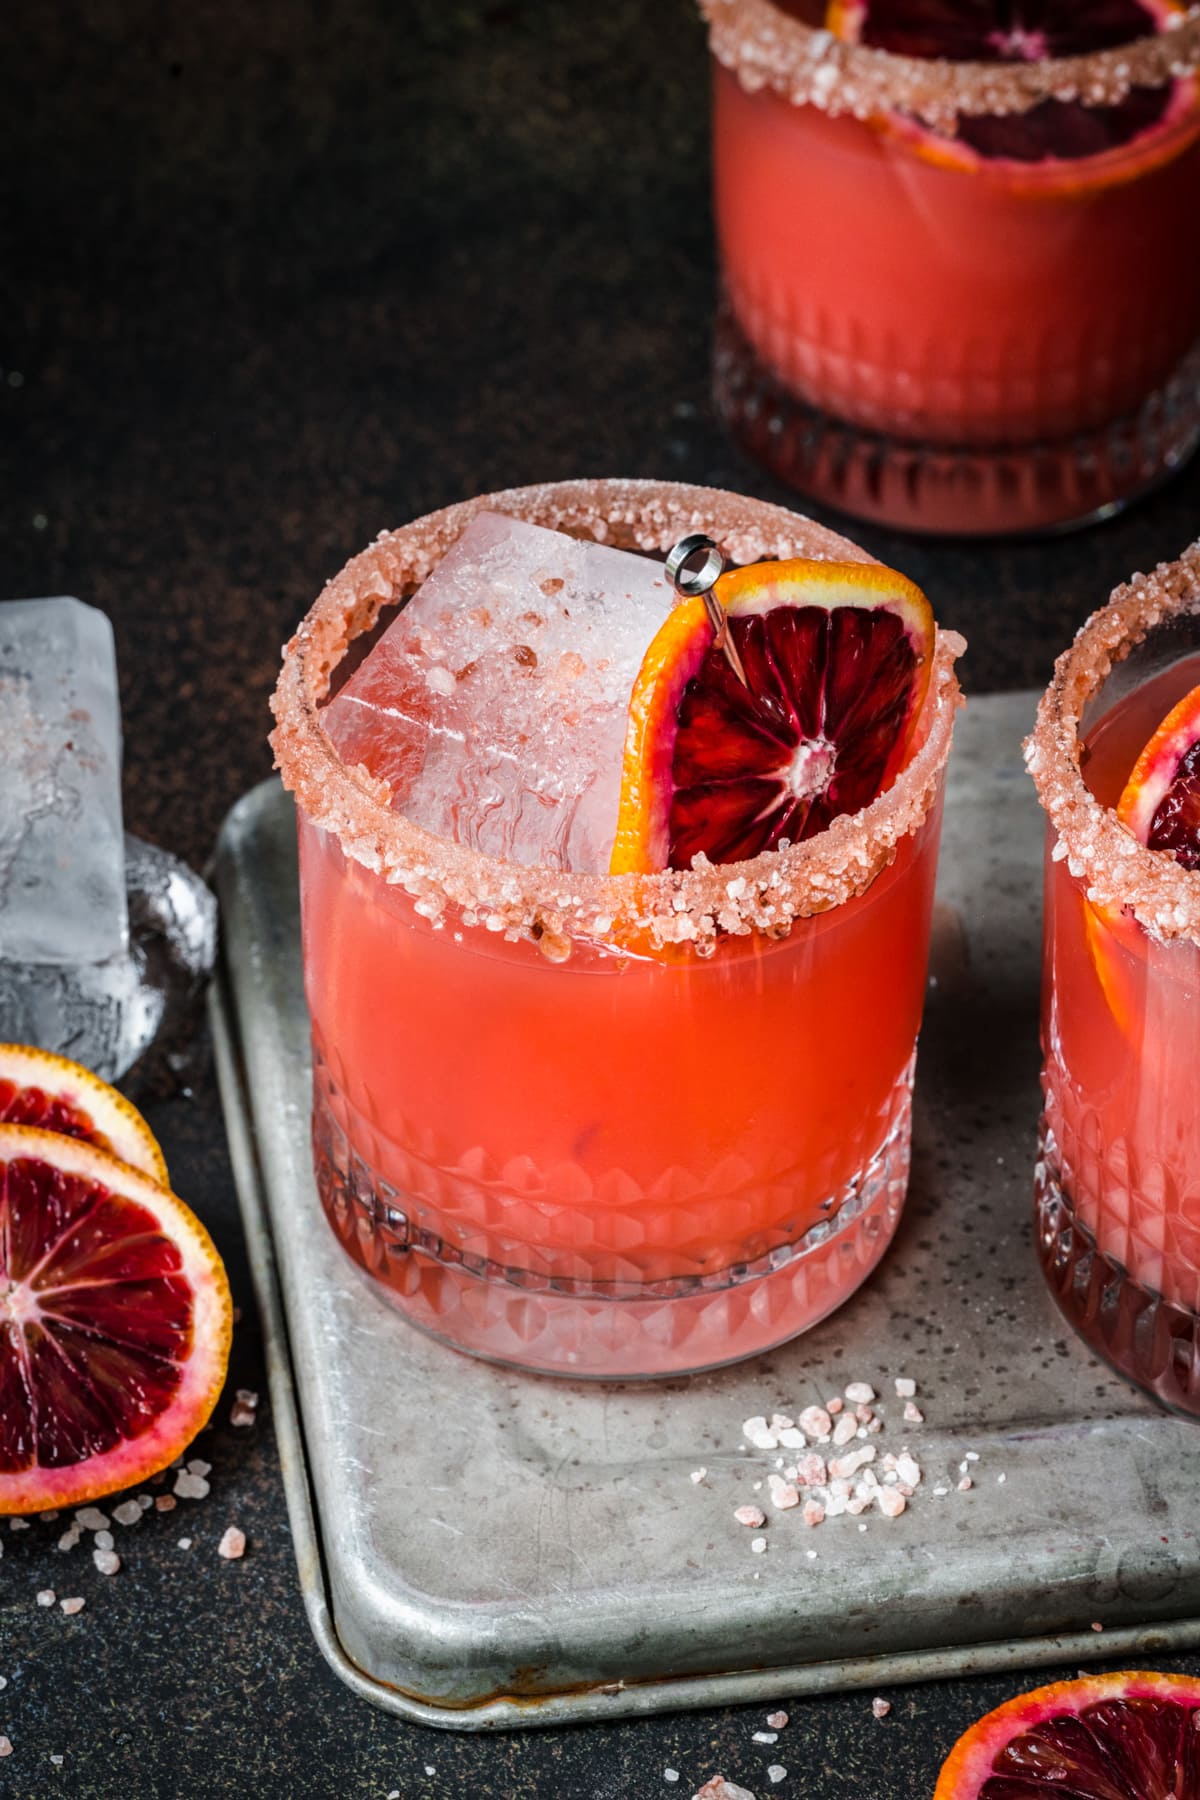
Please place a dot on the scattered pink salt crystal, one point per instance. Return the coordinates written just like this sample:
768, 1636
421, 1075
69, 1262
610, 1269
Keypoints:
913, 1414
965, 1483
783, 1494
128, 1513
70, 1607
190, 1486
833, 1407
845, 1429
776, 1773
107, 1561
758, 1545
46, 1597
905, 1387
880, 1707
697, 1476
164, 1503
813, 1512
241, 1416
232, 1545
717, 1788
750, 1515
1096, 1625
908, 1469
890, 1501
860, 1393
5, 1746
765, 1737
777, 1720
811, 1470
816, 1422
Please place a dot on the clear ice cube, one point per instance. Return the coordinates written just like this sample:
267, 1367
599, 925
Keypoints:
113, 1012
62, 857
104, 941
496, 703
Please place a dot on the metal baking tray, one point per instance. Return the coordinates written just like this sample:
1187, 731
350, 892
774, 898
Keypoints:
482, 1548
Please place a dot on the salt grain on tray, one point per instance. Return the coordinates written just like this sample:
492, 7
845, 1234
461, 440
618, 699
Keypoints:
128, 1513
232, 1545
190, 1486
46, 1597
860, 1393
881, 1708
5, 1746
717, 1788
107, 1561
906, 1387
777, 1720
750, 1515
73, 1606
776, 1773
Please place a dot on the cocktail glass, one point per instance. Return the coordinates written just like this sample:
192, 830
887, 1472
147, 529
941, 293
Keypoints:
1118, 1175
606, 1125
940, 339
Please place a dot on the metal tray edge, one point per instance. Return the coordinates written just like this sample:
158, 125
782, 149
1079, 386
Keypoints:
612, 1700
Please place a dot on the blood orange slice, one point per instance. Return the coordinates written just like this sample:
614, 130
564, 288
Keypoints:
115, 1323
39, 1089
1053, 131
1160, 803
837, 659
1129, 1736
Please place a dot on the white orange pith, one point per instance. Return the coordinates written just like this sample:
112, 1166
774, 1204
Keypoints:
837, 658
41, 1089
115, 1322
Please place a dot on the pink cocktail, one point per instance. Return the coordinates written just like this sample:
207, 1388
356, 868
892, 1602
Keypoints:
606, 1125
1118, 1178
949, 305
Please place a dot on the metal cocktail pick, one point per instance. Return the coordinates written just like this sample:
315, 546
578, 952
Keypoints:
698, 584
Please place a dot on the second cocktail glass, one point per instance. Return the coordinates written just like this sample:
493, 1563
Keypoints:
960, 296
607, 1125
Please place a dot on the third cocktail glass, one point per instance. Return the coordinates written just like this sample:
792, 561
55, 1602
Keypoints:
1117, 768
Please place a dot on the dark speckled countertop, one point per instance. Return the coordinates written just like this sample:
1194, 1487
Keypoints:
276, 277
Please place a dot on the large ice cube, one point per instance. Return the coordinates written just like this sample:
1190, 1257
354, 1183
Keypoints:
496, 703
62, 856
104, 941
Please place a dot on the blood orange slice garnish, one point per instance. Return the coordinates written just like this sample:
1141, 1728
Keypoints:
1129, 1736
1053, 131
837, 659
1160, 803
115, 1323
37, 1088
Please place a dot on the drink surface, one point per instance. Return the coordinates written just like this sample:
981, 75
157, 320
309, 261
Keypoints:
1121, 1033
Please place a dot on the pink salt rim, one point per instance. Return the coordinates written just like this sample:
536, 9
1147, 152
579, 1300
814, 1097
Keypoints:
807, 65
1118, 870
690, 906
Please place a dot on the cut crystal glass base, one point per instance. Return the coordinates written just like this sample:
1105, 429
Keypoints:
972, 490
562, 1321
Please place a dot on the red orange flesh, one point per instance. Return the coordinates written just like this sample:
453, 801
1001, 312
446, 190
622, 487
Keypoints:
115, 1322
1128, 1736
1148, 126
837, 659
47, 1091
1160, 803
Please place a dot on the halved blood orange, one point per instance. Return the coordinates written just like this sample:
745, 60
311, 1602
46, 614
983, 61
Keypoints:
1054, 131
115, 1323
1160, 803
1130, 1736
37, 1088
837, 659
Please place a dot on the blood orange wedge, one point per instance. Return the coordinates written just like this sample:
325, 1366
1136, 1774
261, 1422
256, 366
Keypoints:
115, 1323
1129, 1736
837, 659
37, 1088
1160, 803
1016, 31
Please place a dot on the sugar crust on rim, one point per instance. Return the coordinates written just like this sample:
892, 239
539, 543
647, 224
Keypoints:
554, 906
1119, 871
765, 47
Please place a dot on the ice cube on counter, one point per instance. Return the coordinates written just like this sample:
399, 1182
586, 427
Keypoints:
103, 940
62, 856
496, 703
